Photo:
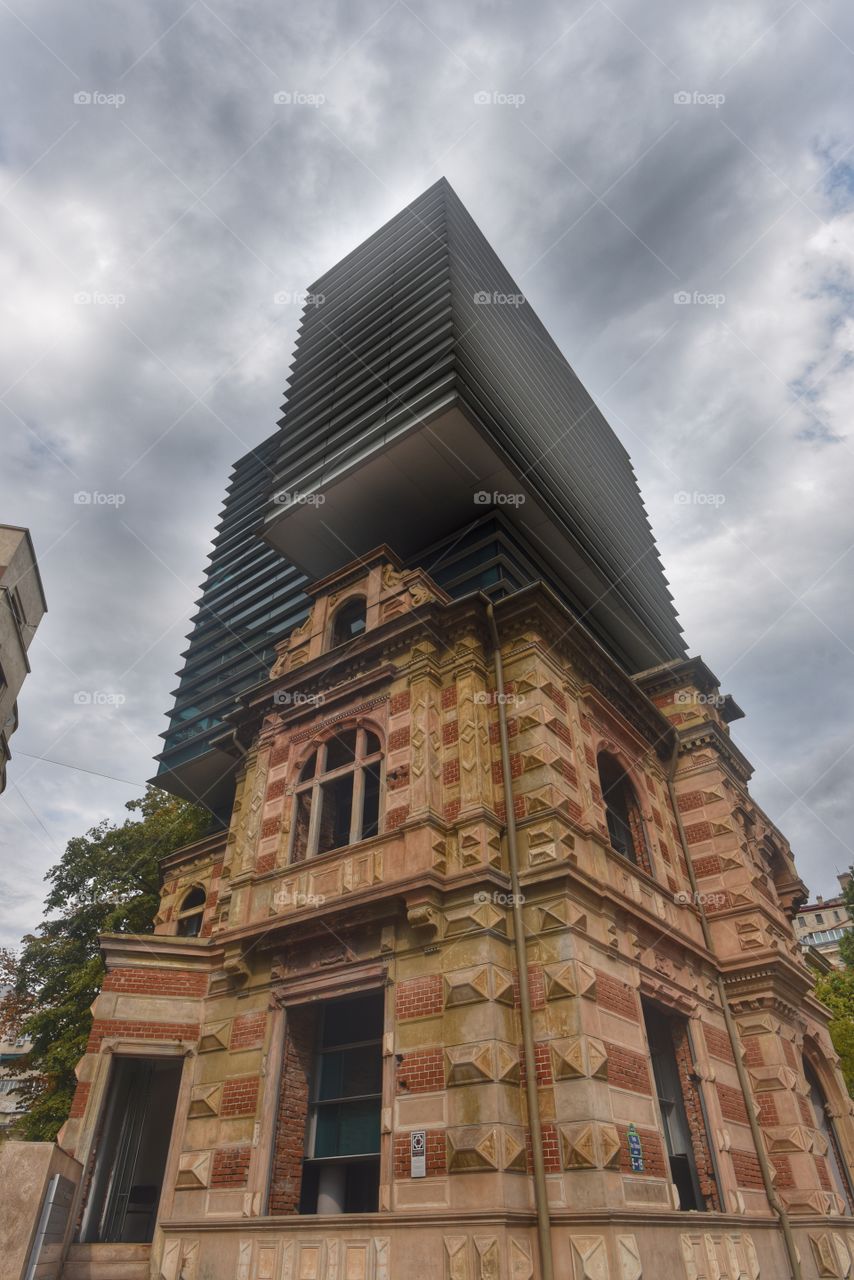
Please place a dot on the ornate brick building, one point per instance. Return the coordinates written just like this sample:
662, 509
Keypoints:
492, 974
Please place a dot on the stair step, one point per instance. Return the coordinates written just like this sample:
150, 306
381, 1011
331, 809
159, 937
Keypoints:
107, 1262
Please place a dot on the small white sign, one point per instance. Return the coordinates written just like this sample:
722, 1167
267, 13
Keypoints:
418, 1153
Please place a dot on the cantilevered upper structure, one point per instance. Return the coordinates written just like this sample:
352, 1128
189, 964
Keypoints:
427, 408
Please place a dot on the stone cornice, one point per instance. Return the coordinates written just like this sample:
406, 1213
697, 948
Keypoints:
710, 734
157, 950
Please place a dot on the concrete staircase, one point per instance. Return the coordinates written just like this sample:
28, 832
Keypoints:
107, 1262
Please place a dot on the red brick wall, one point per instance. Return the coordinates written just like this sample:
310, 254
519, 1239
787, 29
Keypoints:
551, 1149
396, 817
543, 1061
400, 702
653, 1152
435, 1153
230, 1167
398, 738
421, 1071
616, 996
627, 1069
718, 1043
81, 1097
157, 982
732, 1104
694, 1112
746, 1168
536, 987
103, 1028
239, 1096
418, 996
247, 1031
289, 1150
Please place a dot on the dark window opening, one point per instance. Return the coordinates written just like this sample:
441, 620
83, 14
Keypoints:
661, 1033
337, 800
622, 814
349, 621
191, 913
131, 1151
342, 1154
826, 1128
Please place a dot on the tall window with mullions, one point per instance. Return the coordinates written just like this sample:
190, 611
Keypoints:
342, 1159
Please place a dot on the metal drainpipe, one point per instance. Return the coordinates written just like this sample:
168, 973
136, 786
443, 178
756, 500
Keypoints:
735, 1042
541, 1197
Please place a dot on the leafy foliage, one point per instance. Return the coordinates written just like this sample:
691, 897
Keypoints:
836, 990
106, 882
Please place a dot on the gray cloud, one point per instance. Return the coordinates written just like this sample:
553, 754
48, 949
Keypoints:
199, 199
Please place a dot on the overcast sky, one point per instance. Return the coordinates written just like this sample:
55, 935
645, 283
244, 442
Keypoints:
619, 156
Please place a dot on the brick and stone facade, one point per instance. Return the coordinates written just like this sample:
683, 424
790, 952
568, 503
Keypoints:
421, 912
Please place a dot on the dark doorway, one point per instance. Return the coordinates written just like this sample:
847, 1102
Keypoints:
130, 1157
661, 1030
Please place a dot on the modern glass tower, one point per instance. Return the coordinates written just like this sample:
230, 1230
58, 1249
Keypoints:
427, 408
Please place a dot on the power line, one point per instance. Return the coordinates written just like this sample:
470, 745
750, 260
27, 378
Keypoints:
79, 768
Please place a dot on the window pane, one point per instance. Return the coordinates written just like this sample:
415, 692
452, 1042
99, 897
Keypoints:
302, 817
347, 1129
341, 750
353, 1021
309, 767
336, 800
372, 743
371, 805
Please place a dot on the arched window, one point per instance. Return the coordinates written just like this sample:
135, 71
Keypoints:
191, 912
825, 1126
349, 621
337, 800
622, 812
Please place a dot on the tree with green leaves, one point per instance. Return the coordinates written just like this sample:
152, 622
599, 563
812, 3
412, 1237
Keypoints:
106, 882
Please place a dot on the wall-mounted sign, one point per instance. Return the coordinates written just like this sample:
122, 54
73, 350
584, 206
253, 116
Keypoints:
418, 1153
635, 1149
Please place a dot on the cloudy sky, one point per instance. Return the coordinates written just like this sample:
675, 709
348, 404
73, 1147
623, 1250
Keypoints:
621, 156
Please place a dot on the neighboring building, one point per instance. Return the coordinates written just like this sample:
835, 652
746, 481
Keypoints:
822, 923
22, 606
12, 1077
495, 959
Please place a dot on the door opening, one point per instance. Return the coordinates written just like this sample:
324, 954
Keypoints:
130, 1157
660, 1030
